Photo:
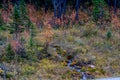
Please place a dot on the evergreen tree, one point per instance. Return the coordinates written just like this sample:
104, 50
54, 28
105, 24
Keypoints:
10, 55
99, 8
16, 27
23, 10
1, 20
32, 34
24, 16
2, 27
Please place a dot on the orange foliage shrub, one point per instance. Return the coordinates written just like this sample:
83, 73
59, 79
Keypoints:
15, 44
6, 13
115, 22
48, 34
26, 34
83, 16
32, 13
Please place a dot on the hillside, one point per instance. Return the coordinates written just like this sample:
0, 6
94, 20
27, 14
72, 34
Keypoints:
72, 41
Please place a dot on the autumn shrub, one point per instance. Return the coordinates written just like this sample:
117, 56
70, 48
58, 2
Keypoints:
48, 35
115, 21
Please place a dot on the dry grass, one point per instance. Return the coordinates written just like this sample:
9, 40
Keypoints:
49, 69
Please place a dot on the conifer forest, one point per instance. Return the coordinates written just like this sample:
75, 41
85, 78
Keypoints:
59, 39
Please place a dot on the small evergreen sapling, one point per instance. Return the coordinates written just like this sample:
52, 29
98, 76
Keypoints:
10, 55
109, 34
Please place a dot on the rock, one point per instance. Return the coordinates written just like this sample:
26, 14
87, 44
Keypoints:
92, 66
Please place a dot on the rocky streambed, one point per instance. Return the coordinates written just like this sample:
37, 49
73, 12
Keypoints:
78, 68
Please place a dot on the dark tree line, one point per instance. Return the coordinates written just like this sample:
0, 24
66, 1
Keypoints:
59, 6
40, 3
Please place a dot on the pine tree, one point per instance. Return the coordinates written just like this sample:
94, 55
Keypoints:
2, 27
32, 34
23, 10
16, 19
24, 16
10, 55
1, 20
98, 10
16, 27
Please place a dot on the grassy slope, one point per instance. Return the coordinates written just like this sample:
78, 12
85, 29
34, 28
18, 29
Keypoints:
85, 43
93, 47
